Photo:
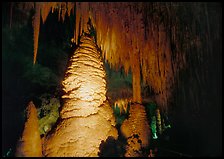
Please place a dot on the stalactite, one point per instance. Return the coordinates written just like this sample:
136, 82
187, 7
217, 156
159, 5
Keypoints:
63, 10
45, 10
30, 143
122, 104
70, 7
136, 78
36, 27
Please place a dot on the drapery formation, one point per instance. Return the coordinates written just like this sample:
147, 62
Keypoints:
132, 35
87, 117
161, 33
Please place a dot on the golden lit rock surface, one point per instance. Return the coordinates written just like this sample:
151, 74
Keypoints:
81, 136
136, 128
87, 117
30, 143
84, 84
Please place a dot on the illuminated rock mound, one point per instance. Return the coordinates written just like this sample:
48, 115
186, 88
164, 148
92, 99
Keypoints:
30, 143
87, 118
84, 84
136, 130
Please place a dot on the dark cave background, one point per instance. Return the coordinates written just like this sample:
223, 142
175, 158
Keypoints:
195, 111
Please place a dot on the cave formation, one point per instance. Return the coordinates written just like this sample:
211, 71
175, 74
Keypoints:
172, 49
87, 118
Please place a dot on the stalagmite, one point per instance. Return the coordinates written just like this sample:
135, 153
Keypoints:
136, 130
87, 118
158, 121
30, 143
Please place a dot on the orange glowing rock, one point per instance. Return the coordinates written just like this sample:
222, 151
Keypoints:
87, 117
136, 128
122, 104
30, 143
84, 84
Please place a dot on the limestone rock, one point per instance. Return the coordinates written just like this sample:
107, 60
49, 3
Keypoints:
81, 136
30, 143
86, 116
136, 129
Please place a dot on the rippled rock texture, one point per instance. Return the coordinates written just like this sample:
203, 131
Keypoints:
136, 130
86, 116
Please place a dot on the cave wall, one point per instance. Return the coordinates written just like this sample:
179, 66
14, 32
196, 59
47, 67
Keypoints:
197, 97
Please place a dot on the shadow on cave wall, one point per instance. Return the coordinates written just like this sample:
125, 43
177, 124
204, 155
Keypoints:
196, 109
112, 147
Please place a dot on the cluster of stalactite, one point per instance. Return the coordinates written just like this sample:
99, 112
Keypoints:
122, 104
145, 44
157, 37
86, 116
152, 36
42, 10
